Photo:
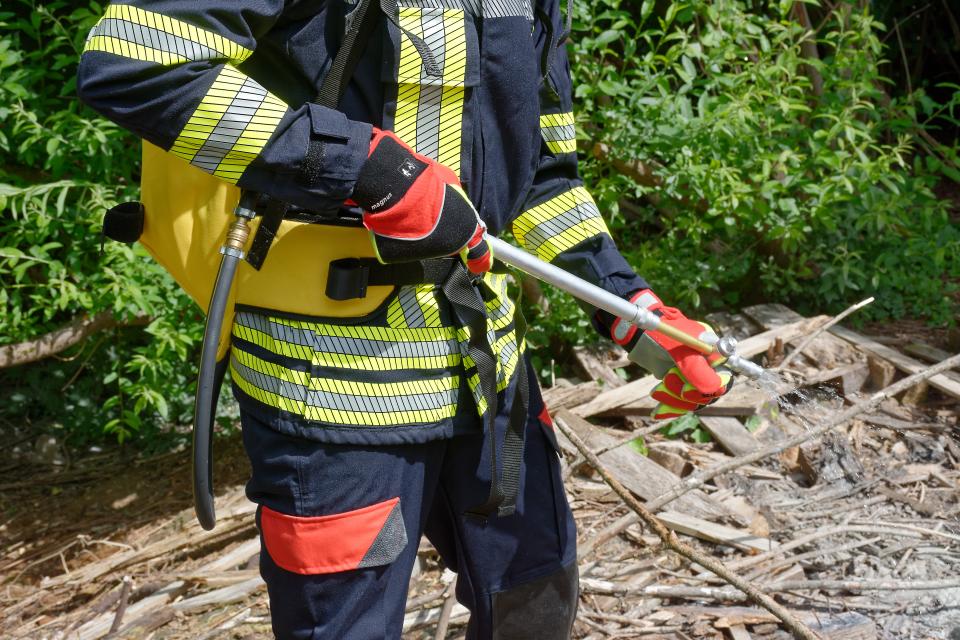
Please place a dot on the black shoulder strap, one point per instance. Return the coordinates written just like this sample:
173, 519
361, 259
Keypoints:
335, 82
331, 91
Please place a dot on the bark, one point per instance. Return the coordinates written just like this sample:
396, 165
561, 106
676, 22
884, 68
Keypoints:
12, 355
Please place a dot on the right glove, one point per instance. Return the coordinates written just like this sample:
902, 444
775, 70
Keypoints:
415, 208
689, 380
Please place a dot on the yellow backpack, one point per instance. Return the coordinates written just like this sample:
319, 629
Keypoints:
187, 213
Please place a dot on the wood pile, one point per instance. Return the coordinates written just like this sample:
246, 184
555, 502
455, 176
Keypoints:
855, 532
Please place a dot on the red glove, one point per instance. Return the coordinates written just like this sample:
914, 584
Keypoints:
415, 207
690, 380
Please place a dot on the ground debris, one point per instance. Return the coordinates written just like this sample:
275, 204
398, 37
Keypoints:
856, 533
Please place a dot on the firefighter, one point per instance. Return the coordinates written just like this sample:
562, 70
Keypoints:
398, 403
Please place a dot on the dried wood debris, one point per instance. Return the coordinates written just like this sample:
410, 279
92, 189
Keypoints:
855, 533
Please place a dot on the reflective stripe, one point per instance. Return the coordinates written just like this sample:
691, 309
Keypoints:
558, 224
415, 306
131, 32
558, 132
500, 310
430, 109
345, 402
230, 126
478, 8
361, 347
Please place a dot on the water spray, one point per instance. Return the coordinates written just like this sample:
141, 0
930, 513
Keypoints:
614, 304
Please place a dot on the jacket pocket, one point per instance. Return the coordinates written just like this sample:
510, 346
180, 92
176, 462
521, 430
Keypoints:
431, 112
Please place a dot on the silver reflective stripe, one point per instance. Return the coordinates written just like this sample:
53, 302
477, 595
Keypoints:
480, 8
342, 345
431, 88
559, 134
231, 126
559, 223
344, 401
154, 39
411, 307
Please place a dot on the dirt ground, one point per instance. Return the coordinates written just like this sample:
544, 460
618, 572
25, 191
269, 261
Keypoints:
70, 535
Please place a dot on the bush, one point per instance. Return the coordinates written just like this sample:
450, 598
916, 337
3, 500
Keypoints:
761, 190
61, 166
764, 188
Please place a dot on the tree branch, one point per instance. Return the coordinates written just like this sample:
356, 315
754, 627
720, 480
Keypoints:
12, 355
671, 541
698, 479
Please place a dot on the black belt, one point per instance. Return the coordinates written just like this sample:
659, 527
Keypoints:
348, 278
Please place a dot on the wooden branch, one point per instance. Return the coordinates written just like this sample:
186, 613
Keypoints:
671, 541
813, 336
808, 47
12, 355
698, 479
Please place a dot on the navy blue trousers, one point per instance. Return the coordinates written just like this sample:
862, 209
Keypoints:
340, 526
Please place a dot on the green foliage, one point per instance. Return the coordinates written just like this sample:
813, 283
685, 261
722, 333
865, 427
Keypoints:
766, 191
687, 425
61, 166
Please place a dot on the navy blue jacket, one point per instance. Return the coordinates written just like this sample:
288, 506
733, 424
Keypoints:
227, 85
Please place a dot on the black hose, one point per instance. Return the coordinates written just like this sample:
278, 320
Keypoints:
208, 389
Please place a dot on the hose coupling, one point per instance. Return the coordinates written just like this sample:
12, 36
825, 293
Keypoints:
237, 236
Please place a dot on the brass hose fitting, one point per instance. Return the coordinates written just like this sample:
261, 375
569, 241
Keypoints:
237, 235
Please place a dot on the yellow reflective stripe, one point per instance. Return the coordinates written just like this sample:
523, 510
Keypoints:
374, 389
230, 126
408, 78
429, 114
562, 146
271, 369
556, 119
558, 224
429, 305
558, 132
451, 100
143, 35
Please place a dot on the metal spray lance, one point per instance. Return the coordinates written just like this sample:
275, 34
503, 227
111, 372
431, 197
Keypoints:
602, 299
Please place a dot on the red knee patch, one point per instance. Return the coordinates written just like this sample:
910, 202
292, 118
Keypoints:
368, 537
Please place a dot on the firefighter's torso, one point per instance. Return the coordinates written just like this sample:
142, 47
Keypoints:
478, 116
392, 366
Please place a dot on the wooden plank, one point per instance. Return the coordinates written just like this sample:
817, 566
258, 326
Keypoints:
632, 392
739, 632
222, 596
931, 354
636, 472
99, 626
716, 533
901, 361
730, 434
825, 350
595, 367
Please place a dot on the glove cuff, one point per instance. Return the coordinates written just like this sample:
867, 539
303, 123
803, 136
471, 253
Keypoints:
626, 333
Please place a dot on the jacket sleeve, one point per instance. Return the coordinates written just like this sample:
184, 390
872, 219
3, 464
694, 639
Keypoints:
559, 221
168, 70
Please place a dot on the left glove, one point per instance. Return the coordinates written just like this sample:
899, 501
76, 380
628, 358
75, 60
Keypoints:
689, 379
415, 207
